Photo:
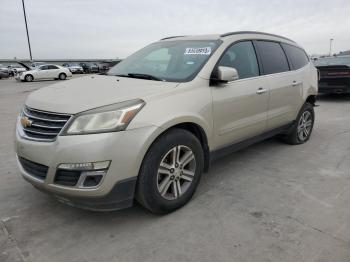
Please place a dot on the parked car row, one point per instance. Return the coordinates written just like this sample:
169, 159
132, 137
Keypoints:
45, 71
83, 67
10, 70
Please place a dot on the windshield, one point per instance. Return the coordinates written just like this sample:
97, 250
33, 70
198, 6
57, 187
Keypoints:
174, 61
332, 61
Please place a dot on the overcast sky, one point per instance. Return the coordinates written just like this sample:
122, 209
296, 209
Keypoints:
116, 28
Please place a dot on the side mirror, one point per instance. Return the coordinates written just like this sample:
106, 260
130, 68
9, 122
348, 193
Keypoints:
226, 74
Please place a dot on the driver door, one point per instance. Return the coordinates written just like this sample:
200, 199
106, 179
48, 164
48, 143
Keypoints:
240, 107
41, 72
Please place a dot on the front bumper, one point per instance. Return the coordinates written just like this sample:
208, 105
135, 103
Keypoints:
19, 77
125, 149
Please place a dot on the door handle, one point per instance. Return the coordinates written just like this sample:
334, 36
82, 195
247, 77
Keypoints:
261, 91
295, 83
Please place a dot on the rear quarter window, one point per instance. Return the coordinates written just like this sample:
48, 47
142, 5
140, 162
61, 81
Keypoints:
296, 56
272, 57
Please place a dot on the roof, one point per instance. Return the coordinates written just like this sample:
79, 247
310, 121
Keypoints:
223, 36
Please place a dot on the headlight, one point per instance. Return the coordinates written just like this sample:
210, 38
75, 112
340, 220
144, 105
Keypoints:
110, 118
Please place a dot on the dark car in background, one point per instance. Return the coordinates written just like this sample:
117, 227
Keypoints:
4, 72
334, 74
103, 67
89, 67
106, 65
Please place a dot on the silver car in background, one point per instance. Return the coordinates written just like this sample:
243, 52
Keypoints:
74, 68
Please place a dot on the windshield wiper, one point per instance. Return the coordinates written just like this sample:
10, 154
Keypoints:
142, 76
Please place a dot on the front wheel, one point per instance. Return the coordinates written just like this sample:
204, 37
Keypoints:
301, 131
170, 172
29, 78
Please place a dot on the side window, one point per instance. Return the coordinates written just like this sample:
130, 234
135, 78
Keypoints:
242, 57
273, 57
43, 67
296, 56
52, 67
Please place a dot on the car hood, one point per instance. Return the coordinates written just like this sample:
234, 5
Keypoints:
84, 93
25, 66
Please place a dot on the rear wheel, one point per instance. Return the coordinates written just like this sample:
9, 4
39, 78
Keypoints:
170, 172
62, 76
301, 131
29, 78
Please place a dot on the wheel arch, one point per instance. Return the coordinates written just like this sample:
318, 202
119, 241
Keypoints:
311, 99
28, 74
193, 127
198, 132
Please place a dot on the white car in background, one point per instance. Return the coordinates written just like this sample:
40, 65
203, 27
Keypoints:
47, 71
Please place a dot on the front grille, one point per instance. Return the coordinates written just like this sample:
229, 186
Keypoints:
67, 177
44, 126
34, 169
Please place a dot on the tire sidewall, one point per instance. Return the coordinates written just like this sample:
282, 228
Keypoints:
29, 78
306, 107
148, 172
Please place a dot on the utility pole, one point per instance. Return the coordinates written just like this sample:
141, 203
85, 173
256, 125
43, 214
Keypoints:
330, 46
25, 20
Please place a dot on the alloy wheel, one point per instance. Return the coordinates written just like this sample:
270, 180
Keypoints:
304, 126
176, 172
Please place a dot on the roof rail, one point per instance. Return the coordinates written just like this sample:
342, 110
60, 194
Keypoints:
169, 37
254, 32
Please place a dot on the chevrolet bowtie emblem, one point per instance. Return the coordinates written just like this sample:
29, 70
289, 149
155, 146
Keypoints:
26, 122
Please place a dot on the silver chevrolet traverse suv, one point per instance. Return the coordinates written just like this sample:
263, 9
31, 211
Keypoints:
148, 129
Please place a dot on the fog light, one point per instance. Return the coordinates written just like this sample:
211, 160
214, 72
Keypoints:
82, 175
92, 179
86, 166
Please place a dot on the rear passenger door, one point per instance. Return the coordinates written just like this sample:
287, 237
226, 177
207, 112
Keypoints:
299, 63
53, 71
240, 107
285, 88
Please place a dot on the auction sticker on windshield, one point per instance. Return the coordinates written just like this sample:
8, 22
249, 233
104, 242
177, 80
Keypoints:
198, 51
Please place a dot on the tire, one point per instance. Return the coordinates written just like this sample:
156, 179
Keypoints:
301, 131
159, 178
29, 78
62, 76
